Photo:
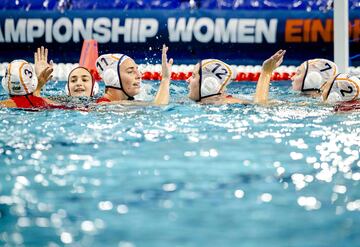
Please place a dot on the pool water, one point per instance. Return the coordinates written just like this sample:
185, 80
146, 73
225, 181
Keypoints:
181, 175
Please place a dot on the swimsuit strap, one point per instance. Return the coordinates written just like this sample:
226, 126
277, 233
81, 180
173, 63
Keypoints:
208, 96
305, 74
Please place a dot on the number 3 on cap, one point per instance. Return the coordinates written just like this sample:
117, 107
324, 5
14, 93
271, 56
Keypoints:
28, 73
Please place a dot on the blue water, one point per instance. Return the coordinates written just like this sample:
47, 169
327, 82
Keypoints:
181, 175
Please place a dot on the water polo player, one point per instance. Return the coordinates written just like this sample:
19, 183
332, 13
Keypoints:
123, 79
311, 76
20, 82
342, 88
80, 82
211, 76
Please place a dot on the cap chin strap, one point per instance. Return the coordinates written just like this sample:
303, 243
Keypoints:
304, 79
121, 86
200, 86
310, 78
208, 96
332, 84
200, 80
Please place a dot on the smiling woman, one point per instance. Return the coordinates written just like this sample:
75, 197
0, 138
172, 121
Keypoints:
81, 83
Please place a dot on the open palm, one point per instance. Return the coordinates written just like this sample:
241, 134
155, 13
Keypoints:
166, 65
41, 63
43, 69
274, 61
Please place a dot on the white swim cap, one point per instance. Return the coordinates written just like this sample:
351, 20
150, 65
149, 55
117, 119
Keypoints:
95, 86
317, 72
214, 76
20, 78
107, 66
344, 87
333, 98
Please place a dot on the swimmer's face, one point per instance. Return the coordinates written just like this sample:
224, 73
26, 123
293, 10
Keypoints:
297, 79
130, 77
80, 83
194, 84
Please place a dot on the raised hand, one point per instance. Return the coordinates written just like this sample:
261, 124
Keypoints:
274, 61
40, 58
43, 69
166, 65
263, 84
163, 94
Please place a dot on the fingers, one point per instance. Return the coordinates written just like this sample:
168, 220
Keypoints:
279, 52
171, 61
282, 53
164, 55
38, 54
35, 58
164, 51
278, 55
42, 54
46, 54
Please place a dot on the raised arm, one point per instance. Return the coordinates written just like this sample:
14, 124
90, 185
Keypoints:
163, 93
43, 69
263, 84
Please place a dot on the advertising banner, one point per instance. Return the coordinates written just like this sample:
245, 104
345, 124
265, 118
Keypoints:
237, 36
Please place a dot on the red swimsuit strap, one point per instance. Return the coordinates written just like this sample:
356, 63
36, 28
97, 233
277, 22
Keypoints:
102, 99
